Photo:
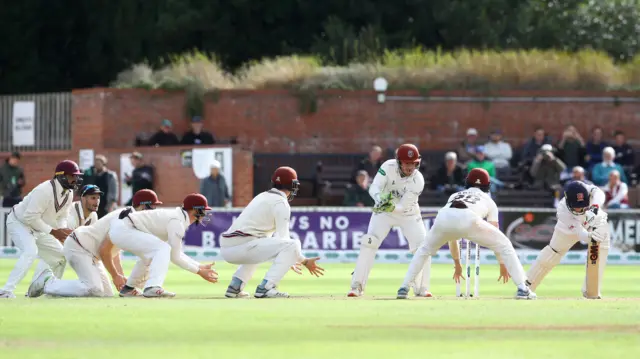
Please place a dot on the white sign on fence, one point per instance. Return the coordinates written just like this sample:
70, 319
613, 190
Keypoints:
24, 121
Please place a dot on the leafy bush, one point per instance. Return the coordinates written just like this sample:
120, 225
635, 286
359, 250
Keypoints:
415, 68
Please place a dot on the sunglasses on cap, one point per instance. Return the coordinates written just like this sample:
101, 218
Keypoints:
89, 188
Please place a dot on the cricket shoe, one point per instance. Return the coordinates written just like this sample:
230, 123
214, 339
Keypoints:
157, 292
36, 288
356, 292
6, 294
127, 291
419, 292
234, 290
525, 293
403, 293
233, 294
262, 292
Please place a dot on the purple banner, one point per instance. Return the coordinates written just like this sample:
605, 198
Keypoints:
321, 230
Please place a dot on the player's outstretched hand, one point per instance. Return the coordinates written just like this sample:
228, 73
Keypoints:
119, 282
312, 266
504, 274
297, 268
457, 274
207, 273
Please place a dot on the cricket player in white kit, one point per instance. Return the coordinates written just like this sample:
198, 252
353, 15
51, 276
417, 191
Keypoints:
261, 234
88, 250
395, 190
83, 213
580, 218
464, 217
43, 211
156, 236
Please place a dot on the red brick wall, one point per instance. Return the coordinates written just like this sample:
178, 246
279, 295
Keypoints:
173, 181
271, 121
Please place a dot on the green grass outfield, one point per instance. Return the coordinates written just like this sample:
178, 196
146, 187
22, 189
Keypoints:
322, 323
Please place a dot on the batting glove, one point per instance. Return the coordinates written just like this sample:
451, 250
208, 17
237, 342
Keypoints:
599, 234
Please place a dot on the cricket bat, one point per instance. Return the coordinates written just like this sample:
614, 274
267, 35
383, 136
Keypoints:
593, 264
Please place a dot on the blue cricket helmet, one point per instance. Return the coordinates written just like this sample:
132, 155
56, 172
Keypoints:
577, 197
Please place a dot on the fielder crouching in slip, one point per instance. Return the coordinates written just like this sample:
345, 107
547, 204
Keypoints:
38, 224
464, 217
580, 218
88, 249
156, 237
83, 213
249, 241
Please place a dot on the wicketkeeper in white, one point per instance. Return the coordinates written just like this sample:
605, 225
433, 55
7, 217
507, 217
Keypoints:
464, 217
156, 236
395, 190
580, 218
43, 211
82, 213
261, 234
88, 250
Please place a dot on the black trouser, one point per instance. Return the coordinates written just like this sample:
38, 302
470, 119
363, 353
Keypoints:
9, 202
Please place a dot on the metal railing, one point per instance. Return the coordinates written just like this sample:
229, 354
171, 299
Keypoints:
52, 121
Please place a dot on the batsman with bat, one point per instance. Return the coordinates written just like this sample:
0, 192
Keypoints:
395, 189
580, 218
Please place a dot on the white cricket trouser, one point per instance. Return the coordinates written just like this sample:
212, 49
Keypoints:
139, 274
413, 229
559, 245
42, 265
93, 280
454, 223
147, 247
32, 246
248, 254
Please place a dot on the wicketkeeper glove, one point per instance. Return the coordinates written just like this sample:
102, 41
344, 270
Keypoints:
385, 204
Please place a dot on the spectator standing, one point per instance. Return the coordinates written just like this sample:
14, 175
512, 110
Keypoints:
600, 173
499, 152
358, 195
371, 164
546, 169
215, 188
469, 147
164, 136
594, 149
616, 192
107, 181
142, 177
11, 181
571, 150
196, 136
450, 176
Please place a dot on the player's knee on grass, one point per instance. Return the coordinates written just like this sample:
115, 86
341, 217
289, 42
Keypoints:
95, 290
369, 241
